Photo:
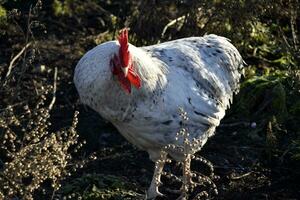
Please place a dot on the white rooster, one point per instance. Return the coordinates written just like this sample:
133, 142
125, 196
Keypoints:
139, 90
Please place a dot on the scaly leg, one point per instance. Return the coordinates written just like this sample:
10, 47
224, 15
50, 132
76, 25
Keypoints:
159, 166
187, 179
187, 182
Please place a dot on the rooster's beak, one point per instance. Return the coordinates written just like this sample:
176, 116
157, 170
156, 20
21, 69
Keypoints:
125, 70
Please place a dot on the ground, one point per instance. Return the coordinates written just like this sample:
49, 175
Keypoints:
251, 162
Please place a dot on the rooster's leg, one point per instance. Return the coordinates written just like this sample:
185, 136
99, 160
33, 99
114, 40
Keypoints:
187, 174
187, 182
159, 166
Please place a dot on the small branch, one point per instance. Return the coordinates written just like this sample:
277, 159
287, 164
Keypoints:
293, 17
290, 147
28, 32
53, 194
246, 124
241, 176
12, 62
13, 105
171, 23
261, 58
54, 89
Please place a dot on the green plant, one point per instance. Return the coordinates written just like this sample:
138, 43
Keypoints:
100, 187
3, 16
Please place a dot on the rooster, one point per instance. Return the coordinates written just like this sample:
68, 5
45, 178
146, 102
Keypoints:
139, 90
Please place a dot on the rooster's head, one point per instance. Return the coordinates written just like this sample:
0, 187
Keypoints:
123, 66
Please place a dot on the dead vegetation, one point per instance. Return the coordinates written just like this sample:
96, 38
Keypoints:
40, 44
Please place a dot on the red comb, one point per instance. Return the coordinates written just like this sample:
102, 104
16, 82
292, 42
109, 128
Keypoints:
123, 51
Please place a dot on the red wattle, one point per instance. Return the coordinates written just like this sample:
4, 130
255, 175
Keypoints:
124, 82
134, 78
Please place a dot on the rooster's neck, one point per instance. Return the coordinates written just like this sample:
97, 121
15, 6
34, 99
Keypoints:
150, 69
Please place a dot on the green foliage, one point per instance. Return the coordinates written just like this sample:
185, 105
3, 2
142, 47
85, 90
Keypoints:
296, 153
59, 8
262, 97
98, 187
273, 103
3, 16
295, 108
67, 8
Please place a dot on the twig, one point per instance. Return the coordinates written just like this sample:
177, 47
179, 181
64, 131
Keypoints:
53, 194
12, 62
290, 147
262, 58
241, 176
35, 87
28, 33
13, 105
171, 23
284, 38
54, 89
293, 17
246, 124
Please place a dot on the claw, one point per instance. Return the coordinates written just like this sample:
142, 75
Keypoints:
159, 183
